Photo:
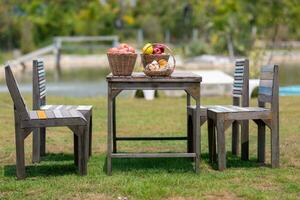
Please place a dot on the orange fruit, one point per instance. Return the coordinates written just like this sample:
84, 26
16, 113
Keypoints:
162, 63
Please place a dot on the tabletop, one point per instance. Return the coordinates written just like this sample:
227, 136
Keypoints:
141, 77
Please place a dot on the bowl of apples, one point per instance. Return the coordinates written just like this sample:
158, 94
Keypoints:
121, 59
156, 61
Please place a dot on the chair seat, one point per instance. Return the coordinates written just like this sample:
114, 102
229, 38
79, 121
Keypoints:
58, 117
81, 108
203, 110
238, 113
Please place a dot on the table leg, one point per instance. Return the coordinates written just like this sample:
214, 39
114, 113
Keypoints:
109, 131
197, 135
189, 126
114, 125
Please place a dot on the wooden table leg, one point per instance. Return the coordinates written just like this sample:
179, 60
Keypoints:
197, 135
114, 125
189, 126
109, 131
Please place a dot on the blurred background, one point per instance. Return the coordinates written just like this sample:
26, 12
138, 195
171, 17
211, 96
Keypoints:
72, 38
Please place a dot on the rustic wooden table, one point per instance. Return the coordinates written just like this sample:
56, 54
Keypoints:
186, 81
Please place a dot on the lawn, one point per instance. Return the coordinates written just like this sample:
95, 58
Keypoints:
55, 177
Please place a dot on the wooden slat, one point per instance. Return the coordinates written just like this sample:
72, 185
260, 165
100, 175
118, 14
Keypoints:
42, 81
268, 68
153, 155
59, 107
264, 98
46, 107
41, 114
57, 114
267, 76
265, 90
75, 113
238, 85
240, 63
65, 113
239, 70
237, 95
42, 87
238, 74
149, 138
33, 115
84, 108
50, 114
266, 83
239, 81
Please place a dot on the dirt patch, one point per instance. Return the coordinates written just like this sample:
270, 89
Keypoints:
181, 198
95, 196
222, 196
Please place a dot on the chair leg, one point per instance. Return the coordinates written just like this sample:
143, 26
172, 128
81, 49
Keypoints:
75, 137
235, 138
190, 148
20, 154
275, 144
211, 133
36, 154
82, 151
43, 141
221, 145
245, 140
90, 135
261, 141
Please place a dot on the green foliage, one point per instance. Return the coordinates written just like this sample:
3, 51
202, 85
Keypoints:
220, 24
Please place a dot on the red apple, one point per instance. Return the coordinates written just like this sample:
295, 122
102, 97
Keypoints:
161, 47
157, 50
130, 49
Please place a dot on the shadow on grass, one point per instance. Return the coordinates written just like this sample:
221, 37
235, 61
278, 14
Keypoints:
233, 161
167, 164
50, 165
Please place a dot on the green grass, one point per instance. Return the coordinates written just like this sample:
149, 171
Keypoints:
55, 177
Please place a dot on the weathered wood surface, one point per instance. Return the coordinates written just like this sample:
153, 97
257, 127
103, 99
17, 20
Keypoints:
240, 98
223, 115
153, 155
30, 120
39, 103
186, 81
141, 77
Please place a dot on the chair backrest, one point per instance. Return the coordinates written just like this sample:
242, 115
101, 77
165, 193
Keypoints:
269, 86
38, 84
241, 83
19, 104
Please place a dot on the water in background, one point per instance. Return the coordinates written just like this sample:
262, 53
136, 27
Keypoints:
92, 84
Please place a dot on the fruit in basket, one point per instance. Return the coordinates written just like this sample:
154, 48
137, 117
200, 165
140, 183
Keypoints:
161, 47
153, 66
122, 49
162, 63
157, 50
148, 48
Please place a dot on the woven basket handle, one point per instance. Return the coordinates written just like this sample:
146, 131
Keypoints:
171, 52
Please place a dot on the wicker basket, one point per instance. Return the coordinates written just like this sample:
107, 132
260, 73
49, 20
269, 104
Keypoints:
146, 59
121, 64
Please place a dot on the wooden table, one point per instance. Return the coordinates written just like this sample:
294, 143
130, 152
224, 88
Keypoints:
186, 81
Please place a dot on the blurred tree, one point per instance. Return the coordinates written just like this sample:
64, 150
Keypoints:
223, 26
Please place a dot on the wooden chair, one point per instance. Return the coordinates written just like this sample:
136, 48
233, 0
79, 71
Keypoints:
39, 103
27, 121
240, 98
221, 117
